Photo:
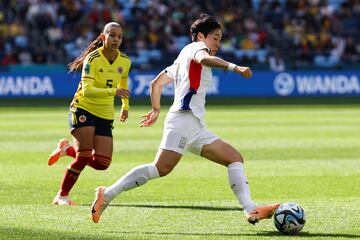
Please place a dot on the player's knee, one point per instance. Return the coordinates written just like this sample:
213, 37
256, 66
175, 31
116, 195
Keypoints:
103, 166
164, 170
226, 161
235, 156
100, 162
231, 162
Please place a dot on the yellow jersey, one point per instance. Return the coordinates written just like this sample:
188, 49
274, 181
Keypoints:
99, 81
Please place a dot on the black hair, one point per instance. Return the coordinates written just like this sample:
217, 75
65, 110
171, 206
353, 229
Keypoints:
204, 24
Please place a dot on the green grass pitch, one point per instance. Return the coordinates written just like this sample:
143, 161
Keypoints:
309, 154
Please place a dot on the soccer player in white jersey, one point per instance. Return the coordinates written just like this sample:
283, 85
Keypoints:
184, 127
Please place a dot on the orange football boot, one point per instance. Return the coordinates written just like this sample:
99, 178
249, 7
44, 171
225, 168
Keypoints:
59, 152
261, 212
99, 204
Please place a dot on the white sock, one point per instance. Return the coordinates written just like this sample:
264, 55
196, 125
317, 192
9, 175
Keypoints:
136, 177
240, 186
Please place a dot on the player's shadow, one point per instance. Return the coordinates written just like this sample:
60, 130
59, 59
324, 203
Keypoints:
310, 235
192, 207
210, 208
256, 233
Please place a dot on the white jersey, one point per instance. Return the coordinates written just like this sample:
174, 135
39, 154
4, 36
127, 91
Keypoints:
191, 81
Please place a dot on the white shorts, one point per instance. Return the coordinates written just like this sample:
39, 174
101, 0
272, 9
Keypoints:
183, 131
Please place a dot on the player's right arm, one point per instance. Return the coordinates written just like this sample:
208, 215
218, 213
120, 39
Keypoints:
156, 86
88, 79
204, 58
90, 91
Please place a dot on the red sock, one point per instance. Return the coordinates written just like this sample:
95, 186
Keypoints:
99, 162
70, 151
73, 171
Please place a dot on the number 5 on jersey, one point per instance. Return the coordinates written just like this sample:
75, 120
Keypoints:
109, 83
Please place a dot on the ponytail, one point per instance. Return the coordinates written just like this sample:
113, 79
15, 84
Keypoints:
78, 62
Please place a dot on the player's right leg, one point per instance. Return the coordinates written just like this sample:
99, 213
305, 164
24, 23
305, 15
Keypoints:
63, 149
261, 212
224, 154
71, 175
83, 141
165, 162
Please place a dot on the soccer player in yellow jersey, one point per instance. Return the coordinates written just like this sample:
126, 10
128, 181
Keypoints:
104, 76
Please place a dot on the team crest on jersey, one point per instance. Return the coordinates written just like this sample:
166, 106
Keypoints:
182, 142
87, 69
82, 118
120, 70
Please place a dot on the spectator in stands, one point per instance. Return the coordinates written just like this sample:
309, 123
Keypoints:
307, 28
351, 52
276, 62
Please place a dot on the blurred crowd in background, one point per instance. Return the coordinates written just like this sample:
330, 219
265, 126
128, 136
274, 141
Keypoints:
278, 34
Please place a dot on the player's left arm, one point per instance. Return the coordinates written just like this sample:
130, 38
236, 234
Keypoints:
204, 58
124, 84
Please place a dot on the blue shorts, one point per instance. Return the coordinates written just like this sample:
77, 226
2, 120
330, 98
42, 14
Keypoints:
81, 118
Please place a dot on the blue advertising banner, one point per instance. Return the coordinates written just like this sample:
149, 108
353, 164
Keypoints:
59, 83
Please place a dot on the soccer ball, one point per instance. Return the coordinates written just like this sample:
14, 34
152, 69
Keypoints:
289, 218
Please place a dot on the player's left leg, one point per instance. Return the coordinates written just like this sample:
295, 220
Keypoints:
165, 162
223, 153
103, 149
103, 144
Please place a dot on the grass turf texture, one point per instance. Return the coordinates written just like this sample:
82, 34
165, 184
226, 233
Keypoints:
301, 153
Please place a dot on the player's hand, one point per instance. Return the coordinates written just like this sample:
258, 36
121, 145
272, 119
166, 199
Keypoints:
123, 93
124, 114
150, 118
244, 71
